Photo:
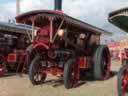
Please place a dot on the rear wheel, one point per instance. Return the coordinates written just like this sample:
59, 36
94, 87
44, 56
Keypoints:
2, 65
70, 73
123, 81
101, 63
35, 76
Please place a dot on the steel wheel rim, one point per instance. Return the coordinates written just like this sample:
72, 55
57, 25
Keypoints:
105, 66
124, 84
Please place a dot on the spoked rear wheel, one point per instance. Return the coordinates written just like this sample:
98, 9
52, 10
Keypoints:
70, 73
2, 65
123, 81
35, 76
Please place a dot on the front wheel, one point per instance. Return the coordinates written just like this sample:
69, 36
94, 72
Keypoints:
35, 76
70, 73
123, 81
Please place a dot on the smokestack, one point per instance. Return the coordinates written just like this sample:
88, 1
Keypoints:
17, 7
58, 5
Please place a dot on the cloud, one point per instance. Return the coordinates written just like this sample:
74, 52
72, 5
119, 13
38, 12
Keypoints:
28, 5
94, 12
7, 11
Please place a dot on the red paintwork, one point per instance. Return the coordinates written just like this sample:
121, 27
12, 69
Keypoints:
23, 17
83, 63
12, 57
53, 71
17, 57
40, 45
43, 34
124, 54
32, 16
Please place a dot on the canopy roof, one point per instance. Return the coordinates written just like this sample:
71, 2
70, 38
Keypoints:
120, 18
40, 15
14, 28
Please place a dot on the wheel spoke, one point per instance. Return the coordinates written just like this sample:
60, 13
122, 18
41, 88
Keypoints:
37, 77
35, 74
70, 74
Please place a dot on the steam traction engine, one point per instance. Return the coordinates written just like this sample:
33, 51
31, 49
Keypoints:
120, 19
13, 42
65, 46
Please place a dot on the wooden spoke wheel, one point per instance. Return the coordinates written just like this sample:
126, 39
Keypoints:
2, 65
123, 81
70, 73
35, 76
101, 63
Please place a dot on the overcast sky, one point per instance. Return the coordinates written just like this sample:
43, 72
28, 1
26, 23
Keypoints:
94, 12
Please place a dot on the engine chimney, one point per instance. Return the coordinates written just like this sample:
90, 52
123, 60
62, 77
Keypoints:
58, 5
17, 7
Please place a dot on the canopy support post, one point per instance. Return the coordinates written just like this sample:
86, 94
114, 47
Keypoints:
51, 30
33, 24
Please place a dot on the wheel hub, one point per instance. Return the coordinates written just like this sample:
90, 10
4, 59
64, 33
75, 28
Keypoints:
37, 77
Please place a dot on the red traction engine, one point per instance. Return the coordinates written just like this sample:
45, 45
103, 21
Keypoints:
120, 19
13, 43
66, 47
